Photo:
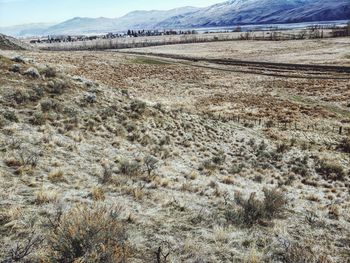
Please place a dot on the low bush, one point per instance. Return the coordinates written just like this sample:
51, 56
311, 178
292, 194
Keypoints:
254, 211
49, 104
299, 252
10, 116
19, 96
219, 159
18, 59
49, 72
330, 170
236, 168
344, 145
150, 163
88, 235
32, 72
38, 118
130, 168
15, 68
138, 106
57, 86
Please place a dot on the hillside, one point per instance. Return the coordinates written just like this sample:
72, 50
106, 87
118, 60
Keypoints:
10, 43
134, 20
240, 12
229, 13
34, 29
112, 157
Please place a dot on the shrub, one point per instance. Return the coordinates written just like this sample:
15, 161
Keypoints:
38, 118
36, 93
253, 211
19, 96
150, 163
330, 170
208, 165
236, 168
18, 59
10, 115
24, 249
49, 104
57, 86
22, 159
32, 72
107, 173
2, 121
88, 235
90, 98
282, 148
129, 168
15, 68
344, 145
299, 252
219, 159
300, 166
138, 106
49, 72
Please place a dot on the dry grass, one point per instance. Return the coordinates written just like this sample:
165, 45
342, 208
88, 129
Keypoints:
149, 136
57, 177
98, 194
45, 196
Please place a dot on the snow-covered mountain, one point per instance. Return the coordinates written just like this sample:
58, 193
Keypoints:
133, 20
82, 25
26, 30
229, 13
239, 12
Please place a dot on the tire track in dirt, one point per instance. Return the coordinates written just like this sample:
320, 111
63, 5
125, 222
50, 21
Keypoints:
273, 69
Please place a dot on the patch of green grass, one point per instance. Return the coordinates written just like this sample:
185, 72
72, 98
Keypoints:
149, 61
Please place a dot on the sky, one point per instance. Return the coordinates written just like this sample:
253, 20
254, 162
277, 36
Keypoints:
17, 12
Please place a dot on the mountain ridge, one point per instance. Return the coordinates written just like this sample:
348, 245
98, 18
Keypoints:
229, 13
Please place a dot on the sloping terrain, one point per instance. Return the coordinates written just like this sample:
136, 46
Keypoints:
240, 12
134, 20
10, 43
34, 29
107, 157
229, 13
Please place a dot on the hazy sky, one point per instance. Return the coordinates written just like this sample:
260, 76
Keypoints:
15, 12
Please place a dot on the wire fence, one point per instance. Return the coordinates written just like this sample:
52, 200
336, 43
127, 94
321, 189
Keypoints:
282, 125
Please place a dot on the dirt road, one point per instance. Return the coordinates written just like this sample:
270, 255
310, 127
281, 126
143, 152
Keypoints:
274, 69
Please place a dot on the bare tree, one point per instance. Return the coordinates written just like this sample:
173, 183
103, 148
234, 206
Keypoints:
150, 163
22, 250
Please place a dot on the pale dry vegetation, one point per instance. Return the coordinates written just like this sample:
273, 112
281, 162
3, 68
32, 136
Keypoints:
108, 158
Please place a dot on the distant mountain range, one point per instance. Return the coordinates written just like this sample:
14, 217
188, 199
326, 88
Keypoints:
229, 13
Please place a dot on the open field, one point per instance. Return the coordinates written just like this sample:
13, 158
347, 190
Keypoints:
314, 51
214, 37
181, 160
